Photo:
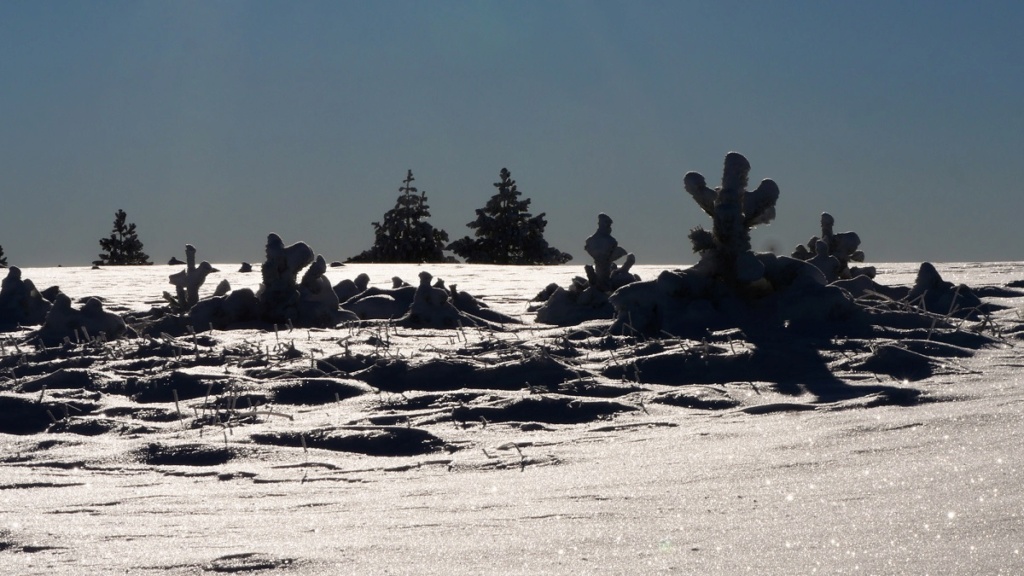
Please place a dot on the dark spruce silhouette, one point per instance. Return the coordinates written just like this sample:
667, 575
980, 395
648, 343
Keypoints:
404, 235
506, 232
123, 247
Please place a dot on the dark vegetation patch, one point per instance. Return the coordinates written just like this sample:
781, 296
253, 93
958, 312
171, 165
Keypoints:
906, 320
430, 376
698, 398
146, 414
343, 364
31, 452
898, 362
999, 291
247, 562
692, 366
8, 543
67, 378
886, 396
29, 365
31, 485
430, 400
392, 419
485, 347
86, 426
162, 387
232, 401
369, 440
548, 409
588, 387
444, 375
307, 391
47, 444
961, 338
23, 415
140, 365
775, 407
284, 372
936, 349
159, 454
865, 397
91, 426
194, 351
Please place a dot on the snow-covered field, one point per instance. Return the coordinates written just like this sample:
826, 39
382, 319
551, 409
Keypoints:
838, 472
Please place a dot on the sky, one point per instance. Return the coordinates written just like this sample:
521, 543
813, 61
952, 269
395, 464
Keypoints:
214, 123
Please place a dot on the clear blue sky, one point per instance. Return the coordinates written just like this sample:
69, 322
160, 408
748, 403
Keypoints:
214, 123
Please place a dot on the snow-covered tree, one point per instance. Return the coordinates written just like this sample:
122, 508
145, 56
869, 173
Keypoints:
506, 232
3, 259
404, 235
123, 247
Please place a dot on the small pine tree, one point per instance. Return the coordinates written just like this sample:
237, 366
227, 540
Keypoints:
3, 259
123, 247
506, 232
404, 235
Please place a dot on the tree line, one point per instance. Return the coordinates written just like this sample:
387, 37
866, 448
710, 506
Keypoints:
504, 232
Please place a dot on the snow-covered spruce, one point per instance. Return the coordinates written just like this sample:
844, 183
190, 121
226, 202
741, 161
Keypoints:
730, 285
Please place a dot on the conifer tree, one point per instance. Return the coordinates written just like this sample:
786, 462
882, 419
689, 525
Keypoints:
123, 247
404, 235
506, 232
3, 259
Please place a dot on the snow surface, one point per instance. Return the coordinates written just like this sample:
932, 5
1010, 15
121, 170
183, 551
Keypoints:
838, 488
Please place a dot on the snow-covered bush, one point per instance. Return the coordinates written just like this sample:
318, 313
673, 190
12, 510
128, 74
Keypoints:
832, 252
587, 299
188, 281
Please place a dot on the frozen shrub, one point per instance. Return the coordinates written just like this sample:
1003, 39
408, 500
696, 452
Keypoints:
832, 252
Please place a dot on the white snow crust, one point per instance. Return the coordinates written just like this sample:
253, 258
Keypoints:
843, 488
